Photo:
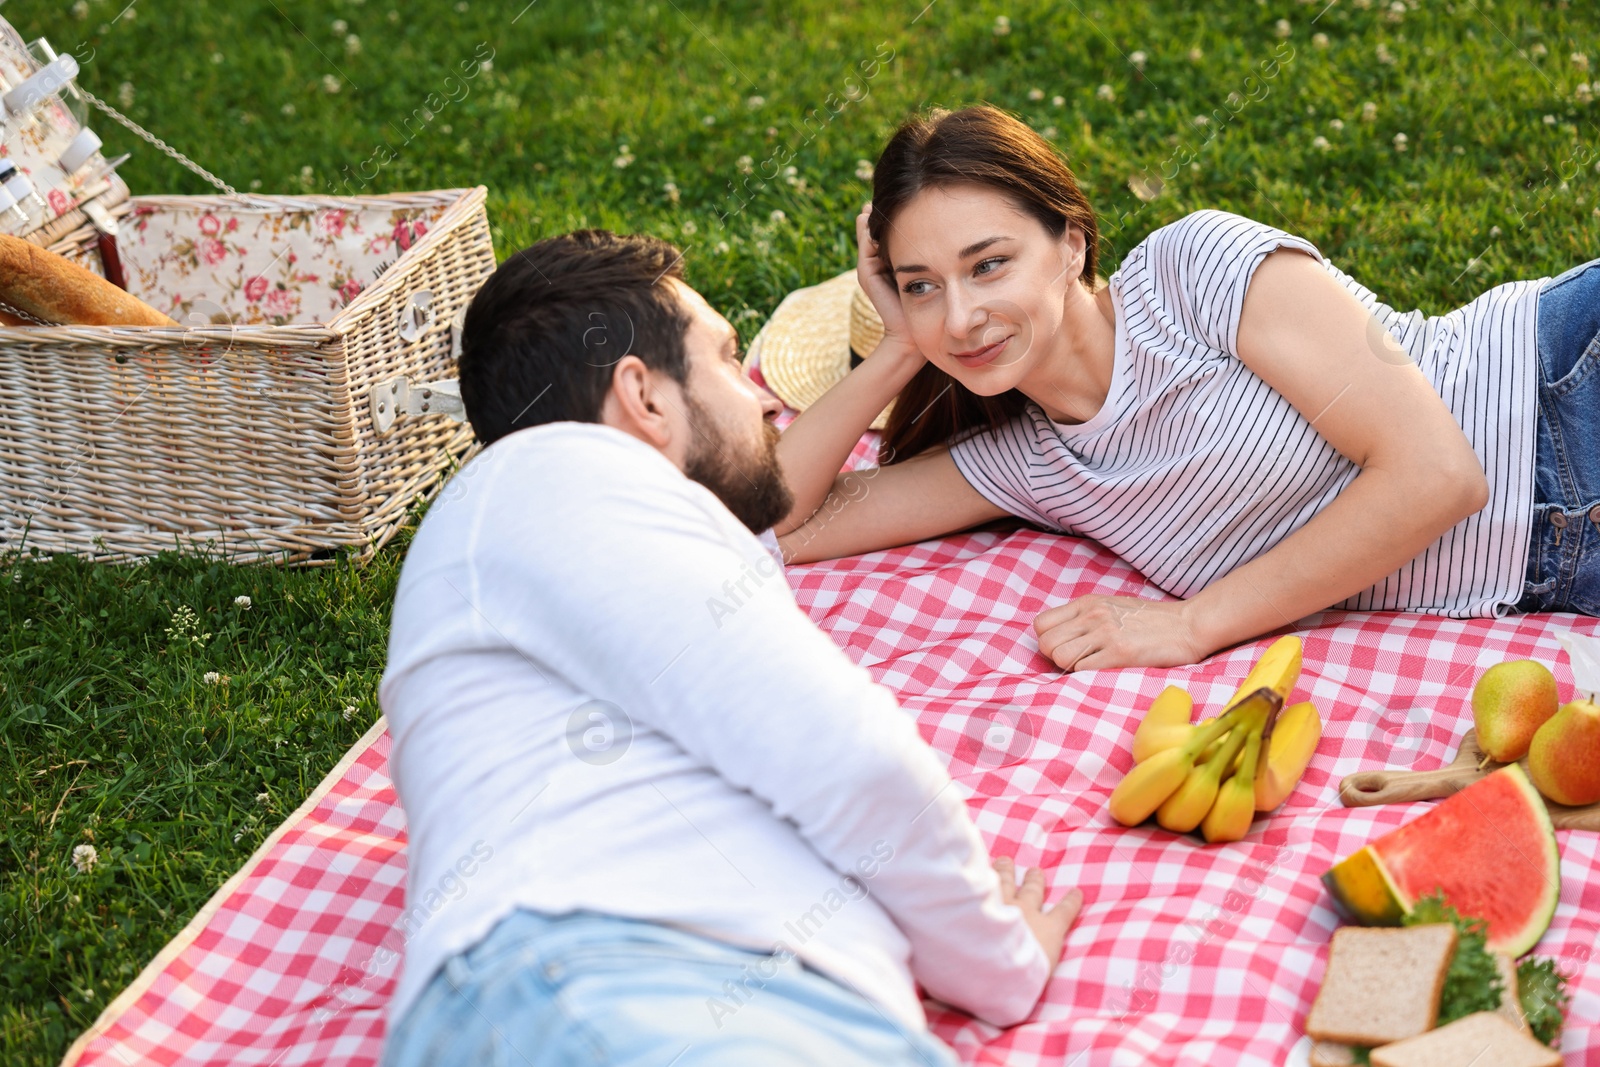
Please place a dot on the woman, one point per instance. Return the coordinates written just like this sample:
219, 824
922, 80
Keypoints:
1241, 421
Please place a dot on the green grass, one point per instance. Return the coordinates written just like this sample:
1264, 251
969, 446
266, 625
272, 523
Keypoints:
111, 734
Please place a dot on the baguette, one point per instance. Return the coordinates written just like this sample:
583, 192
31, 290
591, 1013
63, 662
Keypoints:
55, 289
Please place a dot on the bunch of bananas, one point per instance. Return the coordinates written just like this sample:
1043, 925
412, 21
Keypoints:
1216, 774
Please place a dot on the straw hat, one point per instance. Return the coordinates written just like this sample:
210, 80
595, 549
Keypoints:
813, 339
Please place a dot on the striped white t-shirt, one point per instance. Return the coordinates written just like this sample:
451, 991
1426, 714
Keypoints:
1194, 465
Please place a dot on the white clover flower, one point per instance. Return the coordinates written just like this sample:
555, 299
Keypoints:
461, 7
1057, 101
1201, 120
1580, 61
745, 164
1494, 231
1195, 55
1401, 141
1035, 94
1049, 133
1002, 25
1319, 40
1139, 115
1396, 12
1583, 93
1105, 92
349, 712
689, 227
1369, 112
217, 58
622, 161
1336, 125
755, 101
1458, 150
352, 44
1549, 120
340, 26
125, 94
671, 189
242, 602
864, 170
1321, 143
211, 678
306, 174
84, 858
486, 66
1281, 28
722, 248
330, 84
287, 109
778, 215
80, 10
709, 120
790, 172
263, 797
1137, 59
1384, 55
1539, 50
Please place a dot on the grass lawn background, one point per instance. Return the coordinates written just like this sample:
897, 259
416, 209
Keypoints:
679, 119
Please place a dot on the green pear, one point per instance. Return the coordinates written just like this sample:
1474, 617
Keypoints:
1509, 703
1564, 759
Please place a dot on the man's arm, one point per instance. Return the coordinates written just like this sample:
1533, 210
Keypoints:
683, 628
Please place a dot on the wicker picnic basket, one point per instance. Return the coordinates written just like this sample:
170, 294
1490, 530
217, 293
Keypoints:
297, 419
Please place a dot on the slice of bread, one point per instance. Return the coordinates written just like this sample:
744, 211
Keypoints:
1485, 1039
1381, 985
1510, 1001
1332, 1054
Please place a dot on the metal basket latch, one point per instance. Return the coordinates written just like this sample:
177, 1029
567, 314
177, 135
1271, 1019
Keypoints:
397, 396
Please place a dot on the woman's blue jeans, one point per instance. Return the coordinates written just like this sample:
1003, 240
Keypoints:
1564, 557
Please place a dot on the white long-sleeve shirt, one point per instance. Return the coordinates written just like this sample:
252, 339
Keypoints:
602, 696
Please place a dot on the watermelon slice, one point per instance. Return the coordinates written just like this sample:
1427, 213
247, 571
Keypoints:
1489, 848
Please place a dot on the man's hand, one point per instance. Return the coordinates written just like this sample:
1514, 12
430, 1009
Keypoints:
1118, 631
1049, 926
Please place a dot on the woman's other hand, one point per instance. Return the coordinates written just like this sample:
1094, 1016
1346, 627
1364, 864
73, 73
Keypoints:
872, 272
1118, 631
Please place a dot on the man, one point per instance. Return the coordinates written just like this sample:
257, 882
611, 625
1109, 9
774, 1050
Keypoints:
655, 815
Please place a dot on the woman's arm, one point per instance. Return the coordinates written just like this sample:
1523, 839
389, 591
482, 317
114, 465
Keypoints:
818, 441
1312, 341
882, 507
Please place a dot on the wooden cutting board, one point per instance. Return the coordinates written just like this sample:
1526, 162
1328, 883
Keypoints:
1399, 787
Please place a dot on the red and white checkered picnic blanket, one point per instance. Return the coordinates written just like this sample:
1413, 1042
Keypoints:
1184, 953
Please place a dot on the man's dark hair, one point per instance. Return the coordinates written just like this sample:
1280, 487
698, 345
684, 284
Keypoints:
543, 336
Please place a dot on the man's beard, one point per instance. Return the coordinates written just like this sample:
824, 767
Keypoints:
750, 485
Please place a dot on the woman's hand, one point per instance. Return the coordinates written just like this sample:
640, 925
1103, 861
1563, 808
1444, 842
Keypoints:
1118, 631
874, 275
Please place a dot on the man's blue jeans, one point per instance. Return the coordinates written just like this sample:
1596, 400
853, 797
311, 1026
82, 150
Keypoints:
559, 991
1564, 558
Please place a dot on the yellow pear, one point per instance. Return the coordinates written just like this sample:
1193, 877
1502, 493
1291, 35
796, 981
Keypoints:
1509, 703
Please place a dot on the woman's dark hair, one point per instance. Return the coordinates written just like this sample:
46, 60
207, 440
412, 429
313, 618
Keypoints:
543, 336
983, 146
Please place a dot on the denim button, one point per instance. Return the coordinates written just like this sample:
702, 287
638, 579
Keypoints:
1558, 520
1594, 516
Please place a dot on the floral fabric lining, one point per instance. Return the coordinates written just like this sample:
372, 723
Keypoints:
254, 267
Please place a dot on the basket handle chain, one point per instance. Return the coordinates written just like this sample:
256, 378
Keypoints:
158, 142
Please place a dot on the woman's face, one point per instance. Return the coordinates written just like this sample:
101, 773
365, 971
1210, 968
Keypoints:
982, 283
